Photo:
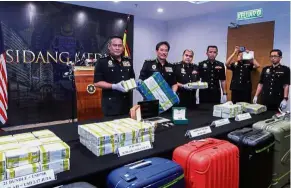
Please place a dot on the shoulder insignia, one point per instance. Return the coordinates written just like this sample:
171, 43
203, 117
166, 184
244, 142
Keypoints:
153, 59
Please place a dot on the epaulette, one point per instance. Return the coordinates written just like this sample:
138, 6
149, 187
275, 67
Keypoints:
126, 57
151, 59
103, 56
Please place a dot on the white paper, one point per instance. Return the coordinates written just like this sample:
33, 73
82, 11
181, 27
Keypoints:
29, 180
242, 117
126, 150
199, 131
220, 122
179, 114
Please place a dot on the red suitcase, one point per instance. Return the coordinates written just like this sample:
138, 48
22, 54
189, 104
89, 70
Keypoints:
209, 163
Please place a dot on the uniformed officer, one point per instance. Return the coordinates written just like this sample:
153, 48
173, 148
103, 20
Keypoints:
241, 86
274, 83
160, 64
186, 72
109, 72
212, 72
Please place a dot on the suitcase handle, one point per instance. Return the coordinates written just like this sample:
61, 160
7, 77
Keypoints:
201, 143
141, 165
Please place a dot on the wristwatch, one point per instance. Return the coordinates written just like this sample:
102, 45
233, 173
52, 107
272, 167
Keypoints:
286, 98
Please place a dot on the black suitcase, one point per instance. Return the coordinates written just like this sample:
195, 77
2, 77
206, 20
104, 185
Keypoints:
256, 156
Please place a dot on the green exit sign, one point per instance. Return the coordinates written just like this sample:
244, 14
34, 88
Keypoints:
250, 14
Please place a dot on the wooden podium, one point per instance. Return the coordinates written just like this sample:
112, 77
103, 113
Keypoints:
88, 96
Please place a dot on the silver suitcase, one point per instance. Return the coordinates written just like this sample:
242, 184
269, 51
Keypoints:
280, 128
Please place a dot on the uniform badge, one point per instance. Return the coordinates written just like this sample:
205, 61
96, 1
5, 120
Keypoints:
218, 67
204, 65
268, 71
154, 67
235, 64
91, 89
168, 69
183, 71
126, 64
194, 72
110, 63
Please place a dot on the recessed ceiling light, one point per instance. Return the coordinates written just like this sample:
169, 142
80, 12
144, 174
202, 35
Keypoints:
115, 1
198, 2
160, 10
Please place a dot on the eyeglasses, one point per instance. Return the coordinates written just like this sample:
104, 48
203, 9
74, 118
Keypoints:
275, 56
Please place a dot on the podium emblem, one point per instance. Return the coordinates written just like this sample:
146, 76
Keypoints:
91, 89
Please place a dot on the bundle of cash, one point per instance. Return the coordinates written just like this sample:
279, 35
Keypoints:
24, 137
22, 170
54, 152
198, 85
43, 134
57, 166
129, 84
106, 137
21, 156
227, 110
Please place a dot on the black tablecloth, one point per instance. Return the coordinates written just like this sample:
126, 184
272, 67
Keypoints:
85, 166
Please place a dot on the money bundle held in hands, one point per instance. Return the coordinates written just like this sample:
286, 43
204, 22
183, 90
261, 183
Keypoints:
106, 137
227, 110
198, 85
156, 88
129, 84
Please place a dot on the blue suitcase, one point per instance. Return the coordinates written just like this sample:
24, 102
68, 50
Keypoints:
151, 172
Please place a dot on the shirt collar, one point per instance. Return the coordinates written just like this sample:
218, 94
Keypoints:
166, 62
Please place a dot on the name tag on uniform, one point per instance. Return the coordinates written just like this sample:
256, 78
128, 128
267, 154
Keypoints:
218, 67
194, 72
168, 69
279, 72
126, 64
247, 64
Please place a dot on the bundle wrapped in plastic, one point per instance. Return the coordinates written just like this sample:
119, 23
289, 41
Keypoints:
54, 152
21, 156
7, 140
255, 108
24, 137
227, 110
106, 137
50, 140
43, 133
23, 170
198, 85
129, 84
57, 166
156, 88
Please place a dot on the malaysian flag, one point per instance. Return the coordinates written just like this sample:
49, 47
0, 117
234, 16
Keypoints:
125, 44
3, 81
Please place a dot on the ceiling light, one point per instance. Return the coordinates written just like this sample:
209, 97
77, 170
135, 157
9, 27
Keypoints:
160, 10
198, 2
115, 1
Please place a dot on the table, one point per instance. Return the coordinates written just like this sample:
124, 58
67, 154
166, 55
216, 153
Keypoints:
85, 166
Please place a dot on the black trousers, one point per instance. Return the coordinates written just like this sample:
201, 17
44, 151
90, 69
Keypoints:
187, 98
272, 102
241, 96
209, 96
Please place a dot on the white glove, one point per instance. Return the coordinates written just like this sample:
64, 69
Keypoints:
186, 86
283, 104
255, 100
223, 99
119, 87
